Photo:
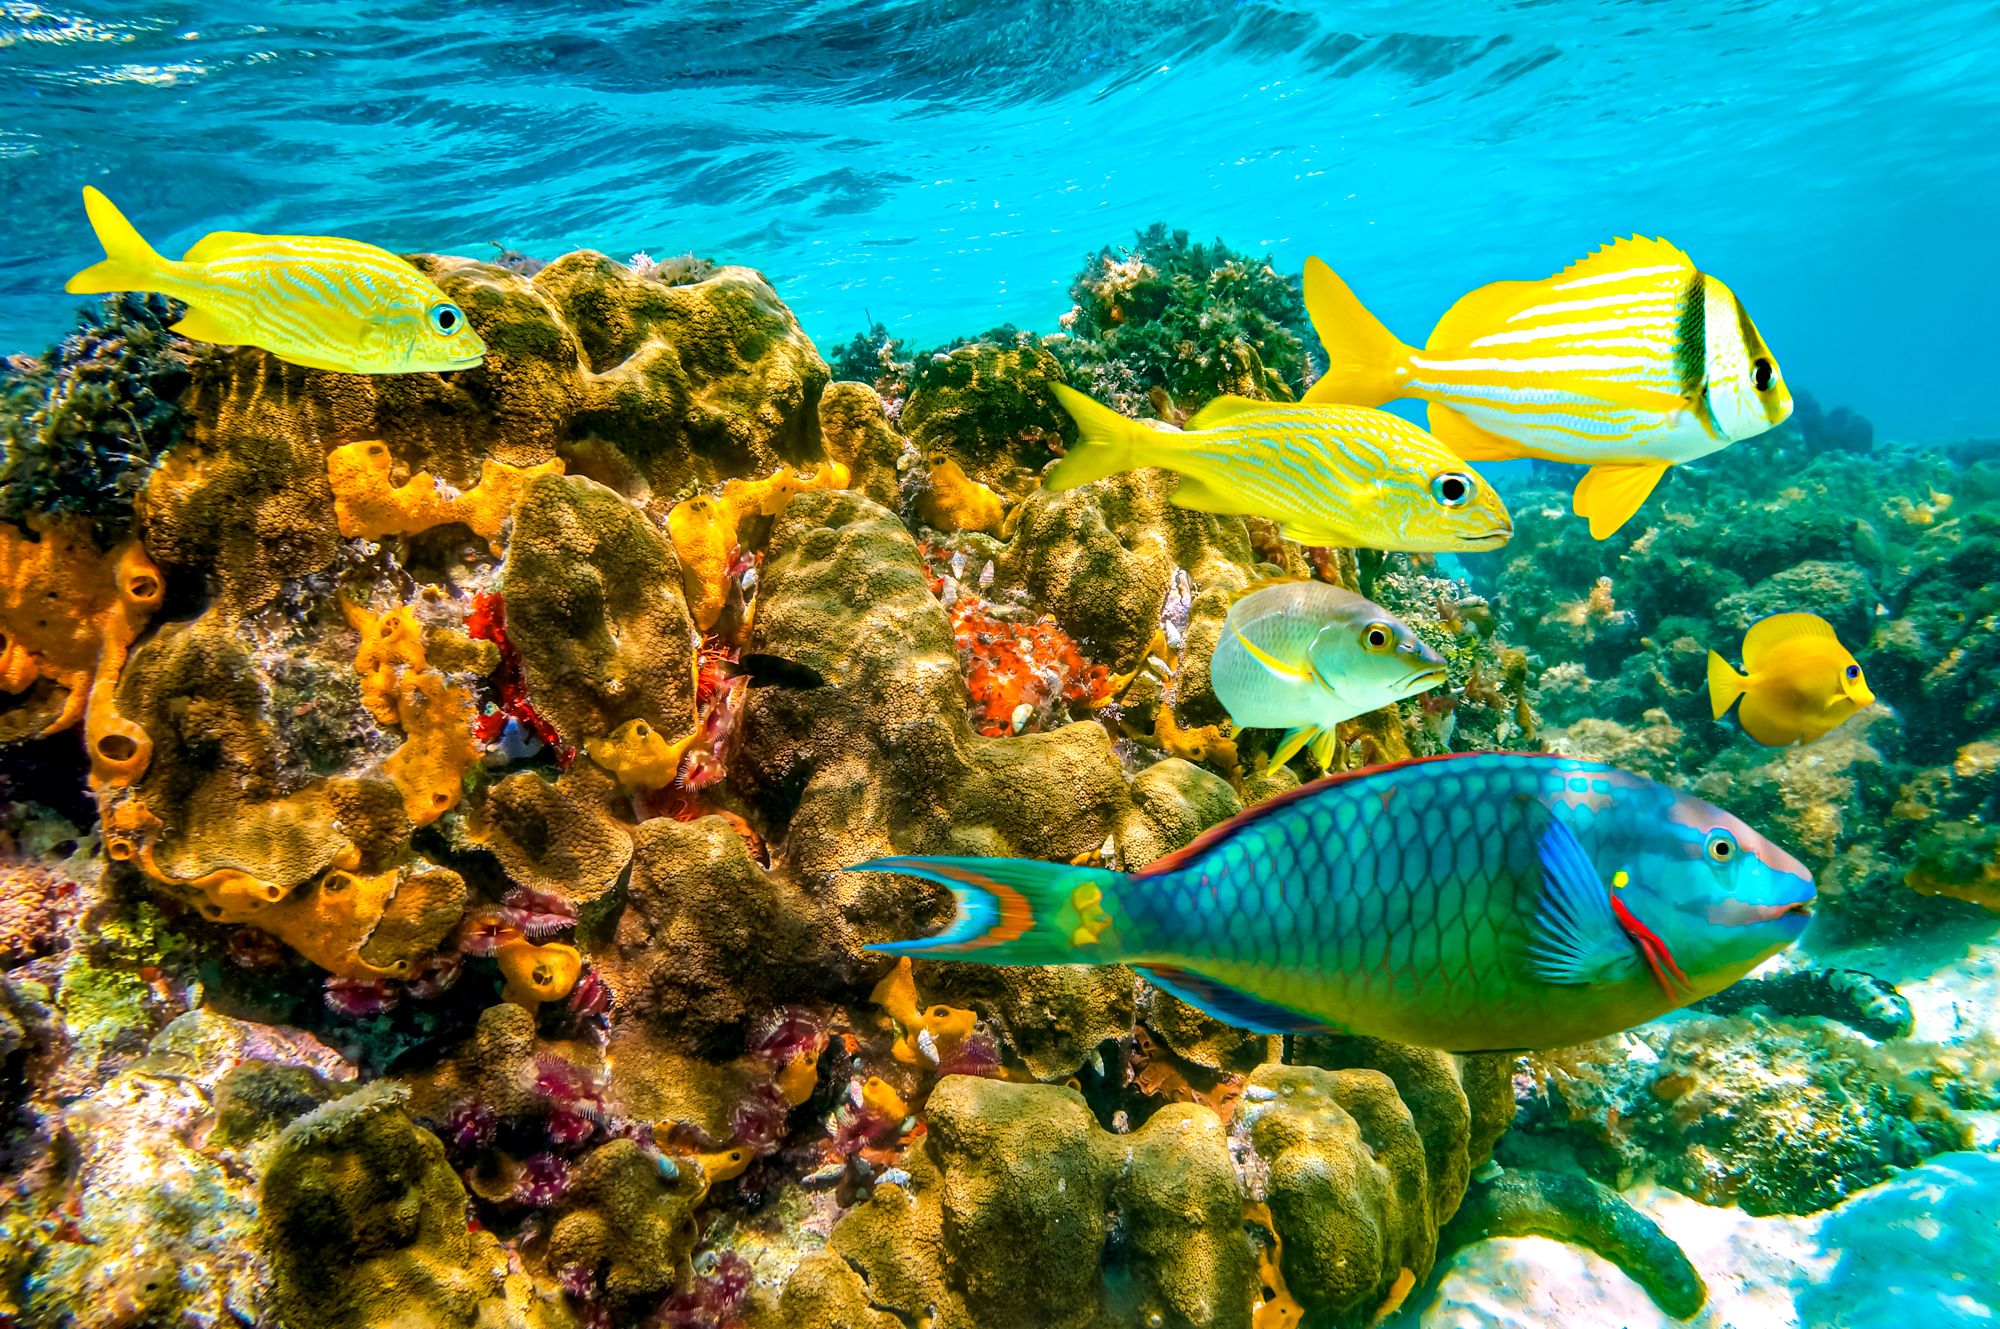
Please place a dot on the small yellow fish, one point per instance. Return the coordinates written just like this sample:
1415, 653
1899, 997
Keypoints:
310, 300
1630, 360
1801, 682
1329, 475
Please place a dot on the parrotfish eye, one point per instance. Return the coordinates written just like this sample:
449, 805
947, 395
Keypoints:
1763, 373
1377, 637
1453, 489
1720, 846
447, 318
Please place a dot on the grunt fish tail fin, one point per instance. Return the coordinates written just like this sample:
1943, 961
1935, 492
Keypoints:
1725, 685
130, 264
1365, 361
1107, 442
1016, 911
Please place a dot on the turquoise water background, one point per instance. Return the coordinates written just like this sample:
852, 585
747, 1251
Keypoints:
946, 165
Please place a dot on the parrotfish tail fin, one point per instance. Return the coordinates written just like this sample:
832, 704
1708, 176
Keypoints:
130, 264
1107, 442
1725, 685
1362, 355
1610, 492
1015, 911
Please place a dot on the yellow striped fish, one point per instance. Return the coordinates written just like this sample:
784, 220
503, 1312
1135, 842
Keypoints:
311, 300
1630, 360
1329, 475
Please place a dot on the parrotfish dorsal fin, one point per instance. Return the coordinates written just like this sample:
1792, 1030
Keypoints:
1228, 1004
217, 243
1223, 409
1767, 633
1634, 251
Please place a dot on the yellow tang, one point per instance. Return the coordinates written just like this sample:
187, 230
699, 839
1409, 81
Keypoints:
1630, 360
311, 300
1329, 475
1798, 682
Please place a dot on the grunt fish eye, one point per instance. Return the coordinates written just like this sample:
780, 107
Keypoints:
1376, 637
1763, 374
1721, 846
447, 318
1453, 489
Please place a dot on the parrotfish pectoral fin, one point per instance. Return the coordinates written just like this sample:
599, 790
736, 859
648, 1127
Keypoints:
1014, 911
1466, 439
130, 264
1362, 355
1230, 1005
1576, 936
1610, 493
1293, 742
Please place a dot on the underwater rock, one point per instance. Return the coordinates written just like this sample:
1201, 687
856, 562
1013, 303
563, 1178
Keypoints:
989, 408
854, 425
364, 1225
625, 1223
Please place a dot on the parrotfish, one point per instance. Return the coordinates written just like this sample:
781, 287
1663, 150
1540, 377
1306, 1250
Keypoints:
311, 300
1470, 902
1329, 475
1798, 683
1630, 360
1303, 656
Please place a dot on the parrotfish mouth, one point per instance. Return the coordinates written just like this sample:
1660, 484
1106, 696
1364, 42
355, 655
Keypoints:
1734, 913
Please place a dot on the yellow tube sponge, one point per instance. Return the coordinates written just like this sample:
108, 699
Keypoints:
922, 1034
639, 756
368, 504
430, 767
957, 502
767, 497
69, 613
535, 974
703, 529
391, 642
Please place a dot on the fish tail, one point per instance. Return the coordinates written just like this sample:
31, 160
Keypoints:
1364, 359
130, 264
1107, 442
1015, 911
1725, 685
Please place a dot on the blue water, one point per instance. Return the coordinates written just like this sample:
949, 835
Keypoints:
946, 165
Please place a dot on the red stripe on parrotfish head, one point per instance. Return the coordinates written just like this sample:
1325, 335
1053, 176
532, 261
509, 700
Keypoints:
1203, 842
1655, 951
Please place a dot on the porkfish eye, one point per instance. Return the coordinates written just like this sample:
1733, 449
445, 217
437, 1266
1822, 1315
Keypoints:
1720, 846
1763, 373
446, 317
1454, 489
1376, 638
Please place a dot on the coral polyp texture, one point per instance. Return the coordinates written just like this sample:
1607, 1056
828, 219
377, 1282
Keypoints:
428, 800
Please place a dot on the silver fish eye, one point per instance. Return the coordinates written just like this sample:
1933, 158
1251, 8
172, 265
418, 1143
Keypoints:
1720, 846
447, 317
1377, 637
1454, 489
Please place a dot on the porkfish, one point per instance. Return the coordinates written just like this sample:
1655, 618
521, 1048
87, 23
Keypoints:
1486, 901
311, 300
1303, 656
1328, 475
1629, 361
1798, 682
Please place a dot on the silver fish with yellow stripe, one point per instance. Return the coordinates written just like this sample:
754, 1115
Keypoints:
1303, 656
1630, 360
1328, 475
311, 300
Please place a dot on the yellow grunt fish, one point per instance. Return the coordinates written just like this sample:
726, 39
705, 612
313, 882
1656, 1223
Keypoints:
1630, 360
1329, 475
1798, 681
310, 300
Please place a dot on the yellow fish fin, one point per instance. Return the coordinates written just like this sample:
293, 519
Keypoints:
1611, 492
130, 264
1322, 749
1106, 442
1224, 408
1271, 662
202, 325
1624, 255
1364, 359
1767, 633
1294, 740
1725, 685
1468, 440
1759, 722
1197, 494
1480, 312
217, 243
